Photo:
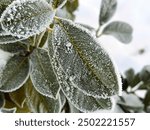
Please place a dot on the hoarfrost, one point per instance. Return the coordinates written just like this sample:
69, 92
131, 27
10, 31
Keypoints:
76, 97
27, 17
42, 75
94, 71
14, 74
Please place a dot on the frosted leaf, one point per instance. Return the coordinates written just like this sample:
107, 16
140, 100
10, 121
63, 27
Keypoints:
76, 97
9, 39
38, 103
88, 66
108, 8
58, 3
13, 48
131, 102
42, 75
1, 31
14, 74
1, 100
27, 17
120, 30
82, 101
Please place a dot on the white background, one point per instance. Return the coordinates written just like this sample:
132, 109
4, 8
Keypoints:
134, 12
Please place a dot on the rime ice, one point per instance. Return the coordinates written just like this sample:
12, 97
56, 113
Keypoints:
27, 17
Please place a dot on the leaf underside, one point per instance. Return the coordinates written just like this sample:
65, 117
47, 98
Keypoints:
108, 8
120, 30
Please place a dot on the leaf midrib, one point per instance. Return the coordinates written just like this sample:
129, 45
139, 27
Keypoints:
81, 55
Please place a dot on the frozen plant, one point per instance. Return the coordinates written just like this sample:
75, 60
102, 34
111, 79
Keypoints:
55, 63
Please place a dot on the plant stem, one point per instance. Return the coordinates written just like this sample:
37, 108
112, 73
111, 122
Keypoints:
98, 34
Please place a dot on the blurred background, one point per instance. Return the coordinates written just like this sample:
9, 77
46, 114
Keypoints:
135, 12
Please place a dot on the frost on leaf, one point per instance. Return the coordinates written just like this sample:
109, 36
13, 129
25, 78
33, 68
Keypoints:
42, 75
86, 63
6, 38
38, 103
77, 98
24, 18
14, 74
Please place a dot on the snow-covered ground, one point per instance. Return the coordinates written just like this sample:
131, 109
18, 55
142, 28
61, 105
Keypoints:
134, 12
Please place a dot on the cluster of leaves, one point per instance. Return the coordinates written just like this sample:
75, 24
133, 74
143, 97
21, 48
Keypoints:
54, 62
132, 83
118, 29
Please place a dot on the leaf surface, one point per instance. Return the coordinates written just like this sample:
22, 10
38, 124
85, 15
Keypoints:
43, 76
38, 103
27, 17
120, 30
108, 8
77, 98
14, 74
85, 62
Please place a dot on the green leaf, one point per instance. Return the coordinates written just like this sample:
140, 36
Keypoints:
58, 3
108, 8
130, 74
72, 5
9, 104
38, 103
120, 30
77, 98
13, 48
6, 38
43, 76
145, 85
14, 74
131, 102
145, 74
18, 97
86, 64
82, 101
2, 101
147, 100
26, 18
